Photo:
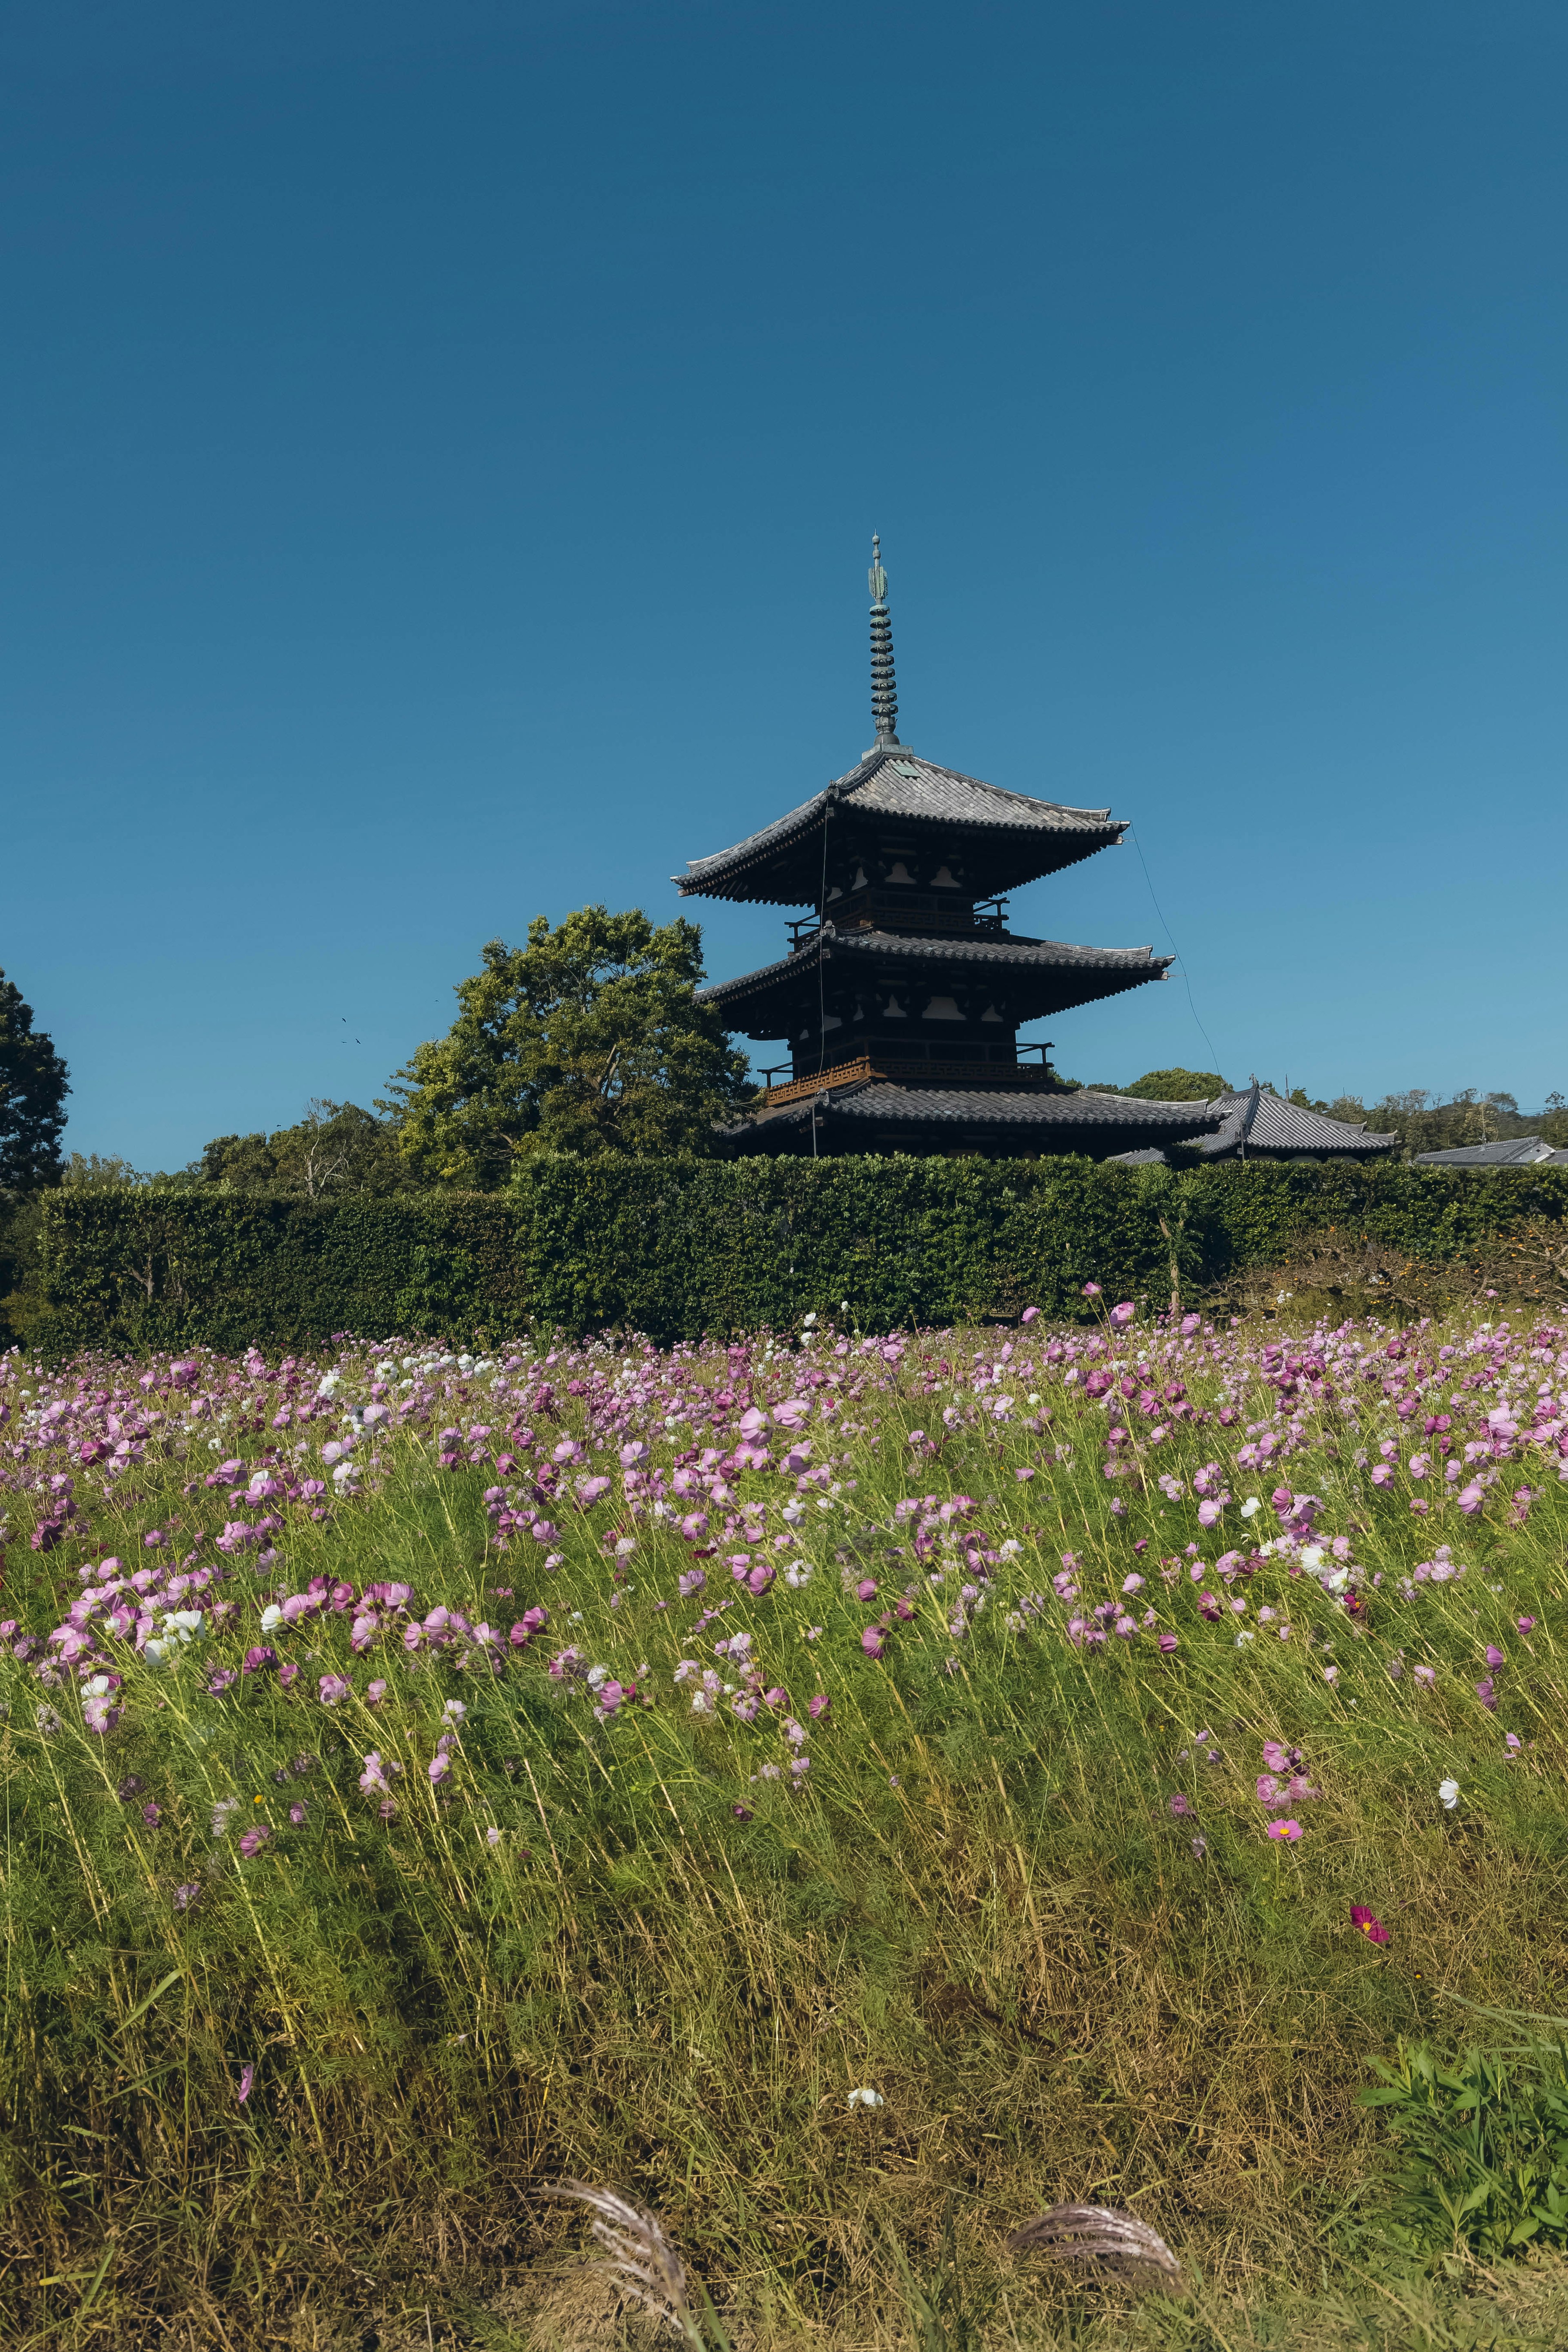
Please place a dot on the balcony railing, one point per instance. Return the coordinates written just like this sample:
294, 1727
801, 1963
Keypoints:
896, 1071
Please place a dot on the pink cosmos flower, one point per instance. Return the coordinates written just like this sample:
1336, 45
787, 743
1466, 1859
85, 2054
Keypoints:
1123, 1313
1287, 1830
246, 2077
1179, 1805
1494, 1656
873, 1641
1167, 1642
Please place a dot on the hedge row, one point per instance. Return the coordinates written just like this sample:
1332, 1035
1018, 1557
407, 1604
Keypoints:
678, 1249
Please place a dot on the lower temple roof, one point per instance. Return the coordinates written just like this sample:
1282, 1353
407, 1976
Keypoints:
874, 1114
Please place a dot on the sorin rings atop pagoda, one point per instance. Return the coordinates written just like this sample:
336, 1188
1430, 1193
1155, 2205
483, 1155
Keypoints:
902, 992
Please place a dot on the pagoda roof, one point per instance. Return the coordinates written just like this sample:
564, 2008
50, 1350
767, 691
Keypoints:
869, 1110
780, 866
1062, 975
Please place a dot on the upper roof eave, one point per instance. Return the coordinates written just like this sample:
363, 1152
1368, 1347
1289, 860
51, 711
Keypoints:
923, 794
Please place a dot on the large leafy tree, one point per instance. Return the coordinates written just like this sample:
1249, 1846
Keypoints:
33, 1089
588, 1039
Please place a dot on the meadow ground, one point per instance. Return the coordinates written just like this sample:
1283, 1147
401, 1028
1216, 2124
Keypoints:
849, 1793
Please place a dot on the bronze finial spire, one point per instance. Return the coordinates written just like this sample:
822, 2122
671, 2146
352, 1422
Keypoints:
884, 688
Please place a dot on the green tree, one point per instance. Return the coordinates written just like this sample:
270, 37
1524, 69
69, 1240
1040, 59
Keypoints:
1177, 1085
335, 1148
100, 1172
588, 1039
33, 1089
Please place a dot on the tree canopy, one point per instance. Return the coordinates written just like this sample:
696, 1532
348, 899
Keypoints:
1177, 1085
33, 1089
589, 1039
335, 1148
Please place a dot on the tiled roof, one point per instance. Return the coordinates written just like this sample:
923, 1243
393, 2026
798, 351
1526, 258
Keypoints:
999, 950
1519, 1151
1265, 1121
895, 784
875, 1103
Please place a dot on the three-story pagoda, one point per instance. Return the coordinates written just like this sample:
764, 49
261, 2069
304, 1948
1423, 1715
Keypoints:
903, 991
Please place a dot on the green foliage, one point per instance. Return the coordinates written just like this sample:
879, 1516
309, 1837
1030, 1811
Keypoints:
680, 1247
336, 1148
98, 1172
1485, 2148
33, 1089
588, 1040
1177, 1085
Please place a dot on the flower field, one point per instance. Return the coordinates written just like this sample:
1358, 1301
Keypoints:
810, 1783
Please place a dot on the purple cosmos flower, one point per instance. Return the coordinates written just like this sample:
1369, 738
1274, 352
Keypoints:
1494, 1656
185, 1896
1179, 1805
152, 1814
251, 1844
333, 1687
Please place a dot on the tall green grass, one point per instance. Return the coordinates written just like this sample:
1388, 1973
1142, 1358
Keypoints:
668, 1971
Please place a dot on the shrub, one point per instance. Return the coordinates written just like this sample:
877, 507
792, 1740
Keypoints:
677, 1248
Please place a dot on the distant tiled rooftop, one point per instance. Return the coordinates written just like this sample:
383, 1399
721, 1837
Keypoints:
1518, 1152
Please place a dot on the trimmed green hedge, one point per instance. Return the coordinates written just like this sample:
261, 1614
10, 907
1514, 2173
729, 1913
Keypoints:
676, 1249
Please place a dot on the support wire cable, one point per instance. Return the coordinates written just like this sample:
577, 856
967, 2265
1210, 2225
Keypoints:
1170, 934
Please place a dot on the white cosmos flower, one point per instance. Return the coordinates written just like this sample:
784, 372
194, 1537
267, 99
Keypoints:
1448, 1793
865, 2097
1251, 1507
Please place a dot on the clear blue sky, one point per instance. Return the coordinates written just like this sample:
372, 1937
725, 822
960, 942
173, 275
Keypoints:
442, 440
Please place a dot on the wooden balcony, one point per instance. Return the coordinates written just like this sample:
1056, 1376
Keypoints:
1032, 1077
